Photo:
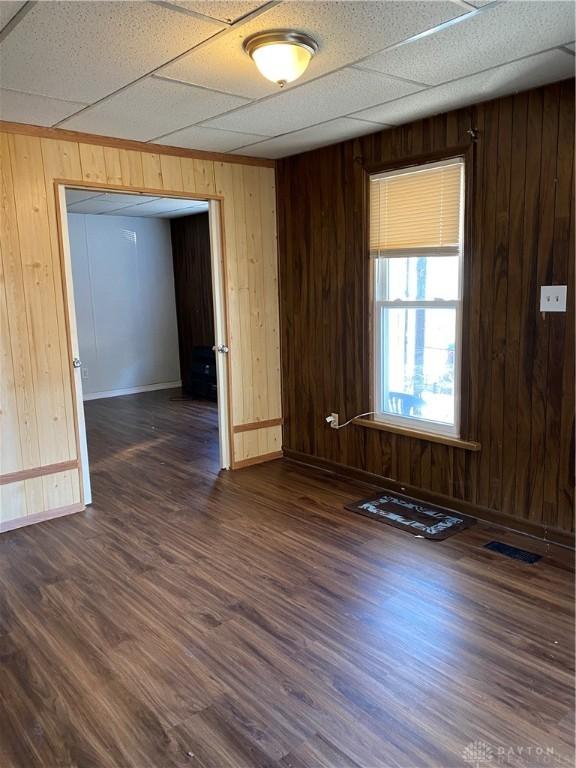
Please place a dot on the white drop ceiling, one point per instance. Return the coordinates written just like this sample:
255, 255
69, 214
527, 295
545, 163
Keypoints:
119, 204
173, 71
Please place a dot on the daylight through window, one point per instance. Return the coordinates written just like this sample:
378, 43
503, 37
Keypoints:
416, 244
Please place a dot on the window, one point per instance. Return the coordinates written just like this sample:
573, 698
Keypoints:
416, 244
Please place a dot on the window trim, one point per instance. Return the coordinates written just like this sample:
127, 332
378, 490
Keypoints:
419, 424
460, 431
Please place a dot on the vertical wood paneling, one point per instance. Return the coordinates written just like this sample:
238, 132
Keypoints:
60, 490
267, 214
500, 302
527, 308
34, 326
518, 391
487, 223
473, 308
540, 324
171, 173
61, 160
229, 183
258, 442
41, 298
93, 163
112, 165
21, 499
37, 424
198, 176
560, 347
10, 443
28, 448
516, 270
567, 448
131, 168
152, 171
252, 290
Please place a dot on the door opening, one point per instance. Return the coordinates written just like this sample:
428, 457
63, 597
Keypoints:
144, 288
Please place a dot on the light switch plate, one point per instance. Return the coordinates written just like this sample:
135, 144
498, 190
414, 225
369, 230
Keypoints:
553, 298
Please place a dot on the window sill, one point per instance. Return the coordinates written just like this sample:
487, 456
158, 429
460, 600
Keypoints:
467, 445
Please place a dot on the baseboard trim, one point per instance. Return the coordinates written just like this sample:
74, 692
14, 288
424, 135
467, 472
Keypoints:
257, 460
40, 517
131, 390
536, 530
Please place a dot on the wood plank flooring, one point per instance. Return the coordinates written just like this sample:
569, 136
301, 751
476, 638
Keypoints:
246, 620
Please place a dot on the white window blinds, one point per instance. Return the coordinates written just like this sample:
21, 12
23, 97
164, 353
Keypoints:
417, 211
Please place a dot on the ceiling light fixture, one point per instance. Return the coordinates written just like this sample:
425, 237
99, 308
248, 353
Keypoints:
281, 56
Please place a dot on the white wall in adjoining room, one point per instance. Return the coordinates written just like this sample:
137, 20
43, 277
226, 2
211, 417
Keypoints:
125, 304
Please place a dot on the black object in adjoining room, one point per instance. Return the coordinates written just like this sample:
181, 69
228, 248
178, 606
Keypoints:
199, 380
411, 515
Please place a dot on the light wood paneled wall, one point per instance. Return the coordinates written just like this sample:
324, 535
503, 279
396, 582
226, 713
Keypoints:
37, 422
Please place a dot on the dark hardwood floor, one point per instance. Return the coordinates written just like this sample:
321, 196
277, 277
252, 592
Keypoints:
245, 619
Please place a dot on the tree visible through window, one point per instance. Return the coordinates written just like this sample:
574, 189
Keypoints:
416, 242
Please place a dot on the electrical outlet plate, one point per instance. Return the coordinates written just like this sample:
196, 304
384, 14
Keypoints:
334, 423
553, 298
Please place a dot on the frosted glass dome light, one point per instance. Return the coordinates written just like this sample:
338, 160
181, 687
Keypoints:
281, 56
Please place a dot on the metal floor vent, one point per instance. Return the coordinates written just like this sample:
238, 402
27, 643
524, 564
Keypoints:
514, 552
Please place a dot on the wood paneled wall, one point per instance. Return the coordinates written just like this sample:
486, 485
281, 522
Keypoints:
519, 377
193, 287
252, 276
39, 473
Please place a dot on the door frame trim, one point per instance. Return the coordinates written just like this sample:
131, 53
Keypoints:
221, 316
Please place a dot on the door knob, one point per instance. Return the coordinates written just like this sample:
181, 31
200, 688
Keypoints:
222, 348
76, 363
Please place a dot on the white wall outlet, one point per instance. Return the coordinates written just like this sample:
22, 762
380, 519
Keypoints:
333, 420
85, 374
553, 298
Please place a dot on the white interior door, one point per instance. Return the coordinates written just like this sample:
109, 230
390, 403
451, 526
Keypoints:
75, 360
220, 330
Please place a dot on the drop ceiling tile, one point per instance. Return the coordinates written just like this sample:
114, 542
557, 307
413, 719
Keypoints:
82, 51
20, 107
210, 139
163, 205
494, 36
223, 65
310, 138
120, 199
345, 31
531, 72
330, 96
94, 205
223, 10
8, 8
107, 202
151, 108
78, 195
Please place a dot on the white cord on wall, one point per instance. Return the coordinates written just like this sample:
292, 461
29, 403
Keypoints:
334, 418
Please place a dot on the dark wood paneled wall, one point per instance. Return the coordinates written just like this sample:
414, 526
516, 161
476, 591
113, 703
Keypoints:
193, 286
519, 377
